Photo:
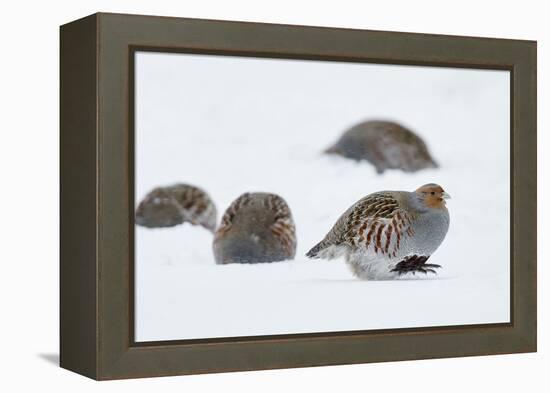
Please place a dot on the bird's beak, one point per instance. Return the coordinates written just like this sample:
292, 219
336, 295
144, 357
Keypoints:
445, 195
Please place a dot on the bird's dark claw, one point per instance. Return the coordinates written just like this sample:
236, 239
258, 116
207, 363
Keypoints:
415, 263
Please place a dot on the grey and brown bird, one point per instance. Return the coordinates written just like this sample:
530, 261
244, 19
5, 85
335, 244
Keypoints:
386, 145
174, 205
390, 233
257, 227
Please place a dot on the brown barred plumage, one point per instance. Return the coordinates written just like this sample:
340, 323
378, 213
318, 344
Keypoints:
173, 205
256, 227
370, 223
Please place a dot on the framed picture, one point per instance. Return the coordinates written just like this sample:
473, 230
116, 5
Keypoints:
242, 196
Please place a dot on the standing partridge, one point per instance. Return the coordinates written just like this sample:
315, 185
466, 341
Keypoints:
174, 205
385, 145
390, 233
256, 227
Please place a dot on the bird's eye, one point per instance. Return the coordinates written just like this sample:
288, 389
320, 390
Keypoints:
433, 193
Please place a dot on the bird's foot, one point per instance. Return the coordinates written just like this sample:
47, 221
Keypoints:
415, 263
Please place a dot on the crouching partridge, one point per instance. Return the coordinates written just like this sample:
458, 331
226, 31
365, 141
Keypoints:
388, 234
257, 227
386, 145
173, 205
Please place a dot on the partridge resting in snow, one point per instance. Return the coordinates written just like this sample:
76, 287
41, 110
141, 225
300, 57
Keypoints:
385, 145
256, 227
174, 205
389, 233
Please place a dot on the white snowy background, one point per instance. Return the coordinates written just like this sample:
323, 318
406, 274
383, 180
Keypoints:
231, 125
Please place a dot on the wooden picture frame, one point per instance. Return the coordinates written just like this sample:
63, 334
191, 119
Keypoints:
97, 201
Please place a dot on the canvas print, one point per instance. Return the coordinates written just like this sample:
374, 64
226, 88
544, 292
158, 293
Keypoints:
283, 196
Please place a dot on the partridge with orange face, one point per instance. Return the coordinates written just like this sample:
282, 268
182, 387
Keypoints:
389, 234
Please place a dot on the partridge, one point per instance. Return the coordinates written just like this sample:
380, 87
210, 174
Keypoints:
385, 145
173, 205
390, 233
256, 227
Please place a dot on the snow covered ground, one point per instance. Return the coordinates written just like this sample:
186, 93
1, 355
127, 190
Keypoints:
231, 125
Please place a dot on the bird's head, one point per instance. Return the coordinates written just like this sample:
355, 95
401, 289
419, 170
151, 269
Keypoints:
432, 195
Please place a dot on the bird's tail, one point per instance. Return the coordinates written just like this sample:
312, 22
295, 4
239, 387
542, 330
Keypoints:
315, 251
326, 250
334, 149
